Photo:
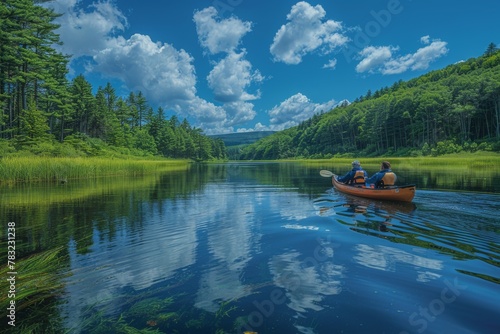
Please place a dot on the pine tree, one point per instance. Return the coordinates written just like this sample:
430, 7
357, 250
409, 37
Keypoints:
56, 99
110, 96
99, 122
34, 127
492, 48
133, 114
28, 61
142, 107
83, 102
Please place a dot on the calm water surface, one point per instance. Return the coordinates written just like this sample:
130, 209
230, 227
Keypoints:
270, 248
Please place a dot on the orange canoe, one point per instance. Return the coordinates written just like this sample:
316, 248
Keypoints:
396, 193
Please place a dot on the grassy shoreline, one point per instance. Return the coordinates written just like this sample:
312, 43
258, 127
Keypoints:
61, 169
453, 161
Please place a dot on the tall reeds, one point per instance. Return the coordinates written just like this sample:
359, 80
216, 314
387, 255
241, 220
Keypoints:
29, 169
459, 161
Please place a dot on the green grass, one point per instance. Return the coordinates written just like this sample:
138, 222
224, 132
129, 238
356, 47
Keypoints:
36, 168
458, 161
37, 279
34, 195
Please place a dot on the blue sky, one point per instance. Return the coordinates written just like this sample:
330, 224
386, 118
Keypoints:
244, 65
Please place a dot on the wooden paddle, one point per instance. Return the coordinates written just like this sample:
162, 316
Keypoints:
326, 173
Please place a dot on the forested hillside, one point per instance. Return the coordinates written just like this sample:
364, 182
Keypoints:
445, 111
242, 138
43, 113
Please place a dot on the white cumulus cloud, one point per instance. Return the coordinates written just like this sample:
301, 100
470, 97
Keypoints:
160, 71
374, 57
381, 59
331, 64
86, 31
219, 35
305, 32
296, 109
164, 74
239, 112
420, 60
167, 76
206, 113
425, 39
231, 76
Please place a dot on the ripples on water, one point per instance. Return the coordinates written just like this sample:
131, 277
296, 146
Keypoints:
263, 258
442, 243
240, 255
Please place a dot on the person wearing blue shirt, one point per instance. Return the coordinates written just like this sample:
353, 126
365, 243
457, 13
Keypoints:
384, 178
355, 176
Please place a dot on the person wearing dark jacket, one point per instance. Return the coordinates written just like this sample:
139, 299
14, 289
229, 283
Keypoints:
355, 176
384, 178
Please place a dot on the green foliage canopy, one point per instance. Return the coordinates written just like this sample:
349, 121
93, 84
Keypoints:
39, 105
457, 106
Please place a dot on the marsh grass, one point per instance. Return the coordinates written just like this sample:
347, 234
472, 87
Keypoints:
33, 169
36, 194
37, 279
461, 161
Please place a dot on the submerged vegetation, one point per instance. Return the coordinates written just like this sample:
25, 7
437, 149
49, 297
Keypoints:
99, 213
163, 315
38, 283
37, 279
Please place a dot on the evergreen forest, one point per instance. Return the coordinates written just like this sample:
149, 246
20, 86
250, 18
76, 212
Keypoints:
44, 113
445, 111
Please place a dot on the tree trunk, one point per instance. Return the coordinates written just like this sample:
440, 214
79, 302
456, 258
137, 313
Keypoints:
496, 102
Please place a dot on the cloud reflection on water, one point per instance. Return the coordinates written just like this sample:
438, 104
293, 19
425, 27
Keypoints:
211, 235
306, 286
387, 258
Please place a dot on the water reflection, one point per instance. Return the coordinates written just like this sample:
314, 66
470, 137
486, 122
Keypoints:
210, 244
230, 239
357, 204
306, 282
210, 236
132, 259
388, 258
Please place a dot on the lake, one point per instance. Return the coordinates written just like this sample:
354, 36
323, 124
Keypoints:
257, 247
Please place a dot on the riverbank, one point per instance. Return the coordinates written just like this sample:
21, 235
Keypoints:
15, 169
475, 160
61, 169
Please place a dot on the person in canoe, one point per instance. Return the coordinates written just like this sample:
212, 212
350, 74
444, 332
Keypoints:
384, 178
356, 176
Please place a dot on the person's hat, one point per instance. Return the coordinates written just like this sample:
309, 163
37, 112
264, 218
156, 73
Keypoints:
356, 163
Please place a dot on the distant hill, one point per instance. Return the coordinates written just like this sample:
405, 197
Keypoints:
453, 109
242, 138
